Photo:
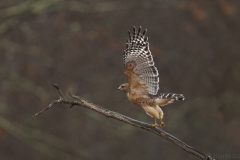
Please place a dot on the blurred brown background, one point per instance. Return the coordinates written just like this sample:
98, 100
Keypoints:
79, 46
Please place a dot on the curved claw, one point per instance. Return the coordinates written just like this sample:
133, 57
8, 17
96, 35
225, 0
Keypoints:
162, 124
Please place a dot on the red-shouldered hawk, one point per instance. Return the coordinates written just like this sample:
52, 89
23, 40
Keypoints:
142, 75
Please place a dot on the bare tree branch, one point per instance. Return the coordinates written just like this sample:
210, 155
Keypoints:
110, 114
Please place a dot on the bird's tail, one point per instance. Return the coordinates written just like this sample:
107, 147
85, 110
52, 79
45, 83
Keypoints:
178, 97
163, 99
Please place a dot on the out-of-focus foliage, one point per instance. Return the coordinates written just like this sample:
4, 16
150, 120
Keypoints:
79, 46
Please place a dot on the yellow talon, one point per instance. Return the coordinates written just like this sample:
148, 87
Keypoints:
161, 123
155, 123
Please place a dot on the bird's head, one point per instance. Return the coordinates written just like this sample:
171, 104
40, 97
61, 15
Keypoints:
124, 87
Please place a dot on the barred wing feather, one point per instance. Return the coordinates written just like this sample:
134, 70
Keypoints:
139, 65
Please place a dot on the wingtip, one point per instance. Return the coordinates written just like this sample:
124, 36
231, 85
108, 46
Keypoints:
144, 32
129, 33
139, 29
134, 28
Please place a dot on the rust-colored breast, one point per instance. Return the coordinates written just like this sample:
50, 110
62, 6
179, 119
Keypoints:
141, 100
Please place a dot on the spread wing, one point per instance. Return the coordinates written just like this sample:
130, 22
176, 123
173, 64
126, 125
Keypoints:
140, 71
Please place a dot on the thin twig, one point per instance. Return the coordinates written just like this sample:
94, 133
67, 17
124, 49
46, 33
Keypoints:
49, 106
110, 114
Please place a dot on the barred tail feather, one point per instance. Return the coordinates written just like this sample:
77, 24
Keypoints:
166, 98
178, 97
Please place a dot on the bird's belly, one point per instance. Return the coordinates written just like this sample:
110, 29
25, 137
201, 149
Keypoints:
153, 111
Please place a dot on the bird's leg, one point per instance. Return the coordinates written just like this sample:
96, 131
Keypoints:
161, 123
155, 123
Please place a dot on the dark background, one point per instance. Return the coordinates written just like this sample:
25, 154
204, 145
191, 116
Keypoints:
79, 46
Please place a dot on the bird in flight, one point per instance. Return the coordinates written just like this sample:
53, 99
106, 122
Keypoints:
142, 76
